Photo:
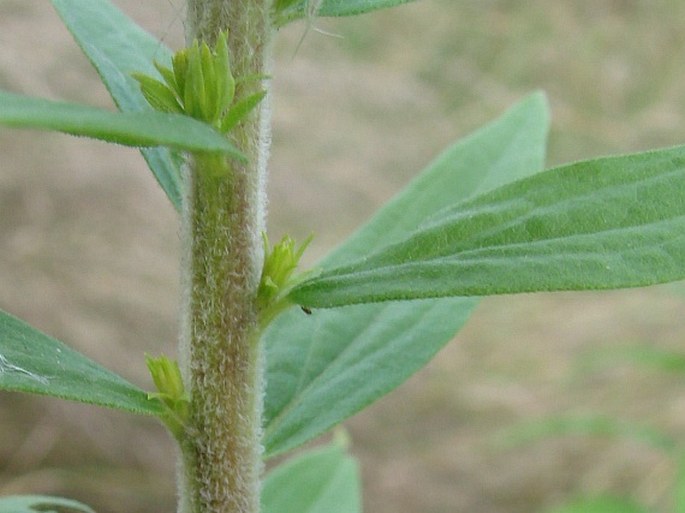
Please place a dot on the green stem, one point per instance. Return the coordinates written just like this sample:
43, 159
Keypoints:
220, 354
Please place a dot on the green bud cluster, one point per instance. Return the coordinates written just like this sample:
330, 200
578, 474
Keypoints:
170, 391
200, 85
278, 277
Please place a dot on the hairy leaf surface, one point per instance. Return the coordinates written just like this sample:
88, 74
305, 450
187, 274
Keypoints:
33, 362
127, 128
600, 224
325, 367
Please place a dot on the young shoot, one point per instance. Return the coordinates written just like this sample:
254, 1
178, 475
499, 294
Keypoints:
166, 376
200, 84
280, 262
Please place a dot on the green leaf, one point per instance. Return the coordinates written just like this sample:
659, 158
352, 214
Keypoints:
240, 110
158, 94
117, 47
33, 362
643, 355
289, 10
325, 367
679, 489
354, 7
128, 128
602, 504
40, 504
324, 480
594, 425
600, 224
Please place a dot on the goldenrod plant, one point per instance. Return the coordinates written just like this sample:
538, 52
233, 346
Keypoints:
483, 218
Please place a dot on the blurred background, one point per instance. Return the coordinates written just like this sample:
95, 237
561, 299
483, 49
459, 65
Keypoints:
90, 248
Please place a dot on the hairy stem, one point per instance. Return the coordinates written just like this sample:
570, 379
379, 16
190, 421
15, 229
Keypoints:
223, 221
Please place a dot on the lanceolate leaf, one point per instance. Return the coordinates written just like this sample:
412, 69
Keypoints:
40, 504
292, 10
600, 224
128, 128
33, 362
117, 47
324, 367
324, 480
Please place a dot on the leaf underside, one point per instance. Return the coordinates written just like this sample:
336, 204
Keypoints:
117, 47
324, 480
327, 366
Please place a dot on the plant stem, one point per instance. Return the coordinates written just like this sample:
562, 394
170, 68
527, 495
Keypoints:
223, 221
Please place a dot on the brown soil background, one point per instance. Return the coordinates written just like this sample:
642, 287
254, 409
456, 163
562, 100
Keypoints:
90, 248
